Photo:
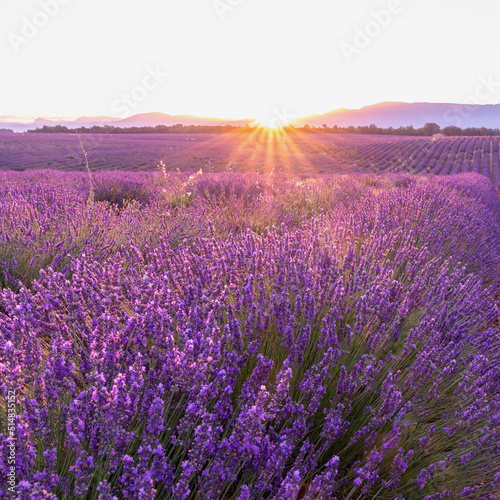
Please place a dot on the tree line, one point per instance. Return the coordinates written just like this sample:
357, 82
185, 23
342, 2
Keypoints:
429, 129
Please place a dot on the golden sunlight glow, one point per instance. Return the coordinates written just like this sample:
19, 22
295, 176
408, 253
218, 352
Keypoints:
265, 150
274, 118
269, 124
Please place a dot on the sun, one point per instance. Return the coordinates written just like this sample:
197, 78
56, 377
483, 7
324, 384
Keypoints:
269, 126
267, 123
274, 119
271, 129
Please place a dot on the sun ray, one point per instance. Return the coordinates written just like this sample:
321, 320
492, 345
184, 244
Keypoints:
265, 149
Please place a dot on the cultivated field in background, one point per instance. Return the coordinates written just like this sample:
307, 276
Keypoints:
257, 152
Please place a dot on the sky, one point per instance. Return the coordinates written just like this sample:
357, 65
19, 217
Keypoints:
242, 58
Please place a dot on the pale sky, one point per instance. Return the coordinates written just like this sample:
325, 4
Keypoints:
241, 58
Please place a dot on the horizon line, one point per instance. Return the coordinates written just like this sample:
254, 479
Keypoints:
17, 119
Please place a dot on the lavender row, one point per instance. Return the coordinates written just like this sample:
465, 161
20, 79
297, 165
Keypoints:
257, 152
439, 156
245, 337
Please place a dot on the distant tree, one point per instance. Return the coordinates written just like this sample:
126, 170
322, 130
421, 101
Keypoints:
219, 129
406, 130
472, 131
431, 129
452, 130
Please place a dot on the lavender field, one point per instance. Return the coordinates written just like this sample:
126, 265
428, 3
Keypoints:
260, 151
246, 336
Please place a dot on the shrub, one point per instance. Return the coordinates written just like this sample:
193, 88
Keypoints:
352, 355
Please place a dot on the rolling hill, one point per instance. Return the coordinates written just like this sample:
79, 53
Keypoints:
386, 114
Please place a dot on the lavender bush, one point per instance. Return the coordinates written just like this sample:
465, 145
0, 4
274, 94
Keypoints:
284, 338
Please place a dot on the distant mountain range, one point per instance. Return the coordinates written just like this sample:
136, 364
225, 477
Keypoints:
401, 114
386, 114
140, 120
